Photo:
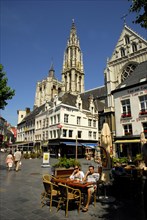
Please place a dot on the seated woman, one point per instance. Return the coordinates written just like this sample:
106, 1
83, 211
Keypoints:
77, 174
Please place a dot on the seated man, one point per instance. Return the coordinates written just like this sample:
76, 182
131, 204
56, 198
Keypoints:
91, 177
77, 174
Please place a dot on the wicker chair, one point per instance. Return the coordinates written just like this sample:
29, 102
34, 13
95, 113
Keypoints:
68, 194
46, 177
50, 192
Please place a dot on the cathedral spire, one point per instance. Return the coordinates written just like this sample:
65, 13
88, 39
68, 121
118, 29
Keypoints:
73, 72
52, 71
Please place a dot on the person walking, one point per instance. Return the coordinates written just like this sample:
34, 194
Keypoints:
17, 159
10, 160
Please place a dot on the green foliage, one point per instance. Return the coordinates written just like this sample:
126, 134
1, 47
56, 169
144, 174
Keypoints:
140, 7
138, 157
119, 160
65, 162
5, 91
26, 155
33, 155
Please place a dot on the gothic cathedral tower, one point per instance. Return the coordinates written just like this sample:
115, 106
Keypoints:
73, 71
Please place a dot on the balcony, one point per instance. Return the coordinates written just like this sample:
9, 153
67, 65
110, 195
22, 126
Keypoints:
126, 115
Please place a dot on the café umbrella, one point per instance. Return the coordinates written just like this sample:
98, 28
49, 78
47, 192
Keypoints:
106, 140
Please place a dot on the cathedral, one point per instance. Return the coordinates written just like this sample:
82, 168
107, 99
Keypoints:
87, 107
72, 73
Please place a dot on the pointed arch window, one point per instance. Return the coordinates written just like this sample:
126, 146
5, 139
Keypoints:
134, 47
127, 39
122, 51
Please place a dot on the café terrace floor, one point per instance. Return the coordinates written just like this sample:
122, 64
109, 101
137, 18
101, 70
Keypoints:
20, 197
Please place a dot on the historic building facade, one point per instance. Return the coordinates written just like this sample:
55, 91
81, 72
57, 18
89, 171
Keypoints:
130, 101
129, 52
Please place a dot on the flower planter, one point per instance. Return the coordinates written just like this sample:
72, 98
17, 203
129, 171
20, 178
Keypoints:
62, 172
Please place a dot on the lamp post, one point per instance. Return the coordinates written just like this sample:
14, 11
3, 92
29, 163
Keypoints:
76, 148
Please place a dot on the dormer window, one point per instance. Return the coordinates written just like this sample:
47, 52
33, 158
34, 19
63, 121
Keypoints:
79, 105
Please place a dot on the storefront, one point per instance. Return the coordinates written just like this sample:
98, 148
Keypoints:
128, 148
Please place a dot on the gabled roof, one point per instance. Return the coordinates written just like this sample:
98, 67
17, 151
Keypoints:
133, 35
138, 76
70, 99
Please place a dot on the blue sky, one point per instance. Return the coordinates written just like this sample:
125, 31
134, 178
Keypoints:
35, 32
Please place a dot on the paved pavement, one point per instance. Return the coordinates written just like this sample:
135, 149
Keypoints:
20, 197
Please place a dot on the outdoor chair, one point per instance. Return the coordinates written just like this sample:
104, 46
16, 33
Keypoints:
50, 192
68, 194
49, 177
46, 177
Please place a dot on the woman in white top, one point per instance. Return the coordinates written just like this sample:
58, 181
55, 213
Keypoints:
77, 174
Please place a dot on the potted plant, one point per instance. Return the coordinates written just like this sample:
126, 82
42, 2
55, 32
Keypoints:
64, 167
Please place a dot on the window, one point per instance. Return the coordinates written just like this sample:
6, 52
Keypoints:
46, 135
51, 134
143, 104
128, 129
79, 106
127, 39
51, 120
66, 118
54, 133
43, 123
89, 122
58, 118
126, 108
70, 133
144, 127
122, 51
134, 47
79, 134
127, 71
55, 119
64, 132
78, 120
94, 135
90, 134
94, 123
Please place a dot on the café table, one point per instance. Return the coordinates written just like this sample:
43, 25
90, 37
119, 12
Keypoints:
82, 185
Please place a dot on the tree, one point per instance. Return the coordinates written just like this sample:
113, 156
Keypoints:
5, 91
140, 7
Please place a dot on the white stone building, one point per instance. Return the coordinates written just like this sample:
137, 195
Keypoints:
130, 99
66, 122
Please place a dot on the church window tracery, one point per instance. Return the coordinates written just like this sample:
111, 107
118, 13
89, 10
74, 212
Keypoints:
128, 71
